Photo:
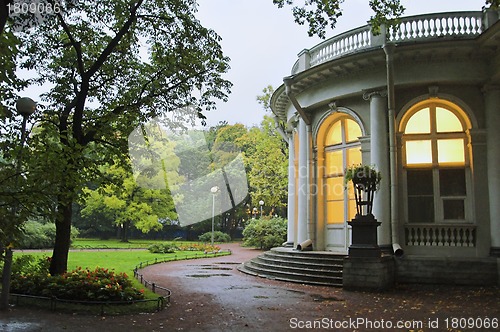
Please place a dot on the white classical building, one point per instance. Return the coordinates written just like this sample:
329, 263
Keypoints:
422, 104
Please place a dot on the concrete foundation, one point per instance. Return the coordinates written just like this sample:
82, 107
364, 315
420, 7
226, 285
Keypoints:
368, 273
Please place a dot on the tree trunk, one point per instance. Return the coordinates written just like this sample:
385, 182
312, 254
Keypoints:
7, 269
59, 262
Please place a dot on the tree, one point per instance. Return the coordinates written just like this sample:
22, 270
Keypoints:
320, 14
266, 161
121, 199
112, 66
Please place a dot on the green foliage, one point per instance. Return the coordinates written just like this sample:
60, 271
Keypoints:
163, 248
38, 235
363, 175
110, 70
31, 277
319, 14
266, 162
119, 198
265, 233
218, 237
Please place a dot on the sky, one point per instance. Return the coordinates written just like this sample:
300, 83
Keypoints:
263, 42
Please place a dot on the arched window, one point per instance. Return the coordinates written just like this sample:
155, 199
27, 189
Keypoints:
436, 163
342, 149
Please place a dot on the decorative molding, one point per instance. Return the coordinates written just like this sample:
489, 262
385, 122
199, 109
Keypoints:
433, 91
333, 106
368, 94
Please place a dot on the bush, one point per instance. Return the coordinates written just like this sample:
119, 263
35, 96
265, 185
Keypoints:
162, 248
80, 284
38, 235
218, 237
265, 233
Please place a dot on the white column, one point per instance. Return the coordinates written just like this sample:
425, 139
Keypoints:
303, 183
492, 104
379, 156
291, 191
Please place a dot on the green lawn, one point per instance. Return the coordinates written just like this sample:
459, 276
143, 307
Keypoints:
118, 260
115, 244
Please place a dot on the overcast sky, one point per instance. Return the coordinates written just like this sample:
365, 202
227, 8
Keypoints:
263, 42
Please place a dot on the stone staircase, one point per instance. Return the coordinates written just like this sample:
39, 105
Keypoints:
306, 267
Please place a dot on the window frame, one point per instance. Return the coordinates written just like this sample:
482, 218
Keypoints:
434, 136
344, 146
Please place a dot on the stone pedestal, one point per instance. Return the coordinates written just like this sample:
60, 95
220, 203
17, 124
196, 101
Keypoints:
365, 273
364, 237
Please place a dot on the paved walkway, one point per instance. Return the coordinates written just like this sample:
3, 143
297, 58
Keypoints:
212, 295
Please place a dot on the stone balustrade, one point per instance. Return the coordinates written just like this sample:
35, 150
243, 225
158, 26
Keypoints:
440, 26
442, 235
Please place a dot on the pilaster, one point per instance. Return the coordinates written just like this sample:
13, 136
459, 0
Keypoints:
492, 105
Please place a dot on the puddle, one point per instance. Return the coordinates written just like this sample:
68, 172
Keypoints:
216, 268
227, 263
208, 275
321, 298
16, 326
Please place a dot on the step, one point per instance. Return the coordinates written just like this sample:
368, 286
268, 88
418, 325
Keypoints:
307, 270
250, 268
295, 262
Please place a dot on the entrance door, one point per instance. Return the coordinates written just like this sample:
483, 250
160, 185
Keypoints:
342, 149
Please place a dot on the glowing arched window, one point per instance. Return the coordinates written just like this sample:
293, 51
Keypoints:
342, 149
435, 158
419, 123
434, 124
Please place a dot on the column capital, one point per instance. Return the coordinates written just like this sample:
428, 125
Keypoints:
369, 94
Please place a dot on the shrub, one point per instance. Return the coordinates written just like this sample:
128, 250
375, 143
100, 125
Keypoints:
38, 235
162, 248
218, 237
80, 284
265, 233
199, 247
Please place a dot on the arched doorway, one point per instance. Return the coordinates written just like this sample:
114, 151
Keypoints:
338, 148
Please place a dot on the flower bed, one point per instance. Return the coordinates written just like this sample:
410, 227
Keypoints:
80, 284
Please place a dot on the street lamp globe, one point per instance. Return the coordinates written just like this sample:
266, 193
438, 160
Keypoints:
25, 106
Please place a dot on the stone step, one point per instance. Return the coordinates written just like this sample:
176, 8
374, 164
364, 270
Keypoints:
250, 268
318, 265
316, 268
307, 260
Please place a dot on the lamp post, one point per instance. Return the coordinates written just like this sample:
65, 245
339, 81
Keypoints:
214, 190
25, 107
261, 203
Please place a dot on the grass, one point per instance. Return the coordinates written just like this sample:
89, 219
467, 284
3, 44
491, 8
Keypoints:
114, 244
119, 260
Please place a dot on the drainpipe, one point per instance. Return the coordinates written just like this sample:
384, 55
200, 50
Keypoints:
396, 247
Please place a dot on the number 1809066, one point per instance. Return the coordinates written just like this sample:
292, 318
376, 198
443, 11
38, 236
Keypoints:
33, 7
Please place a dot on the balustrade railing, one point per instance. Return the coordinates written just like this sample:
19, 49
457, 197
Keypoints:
348, 42
440, 235
441, 26
458, 24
